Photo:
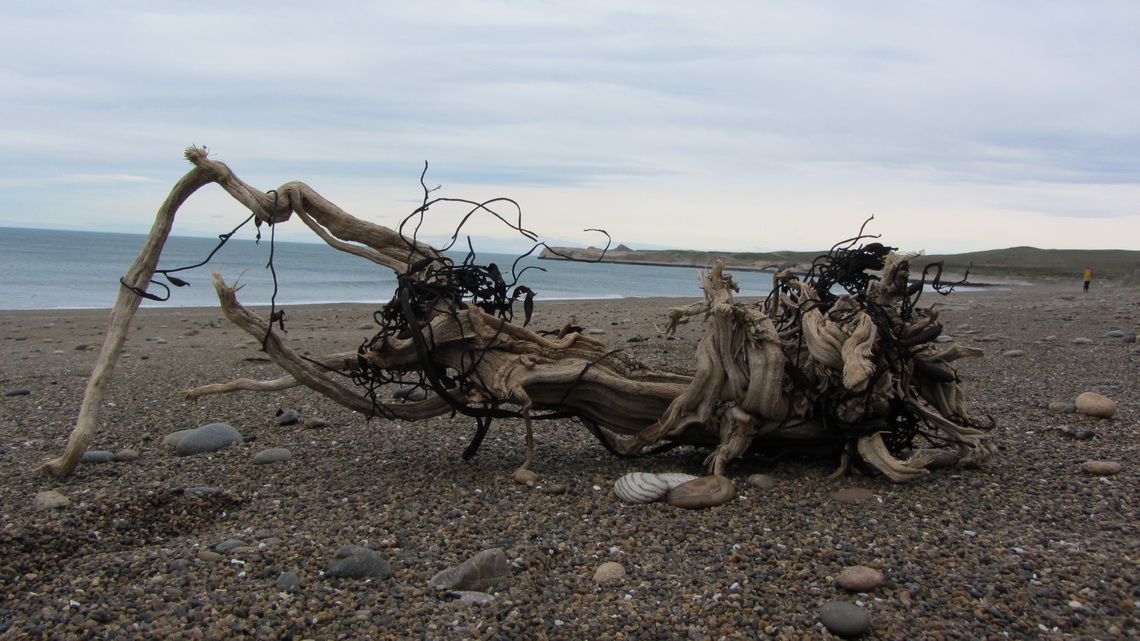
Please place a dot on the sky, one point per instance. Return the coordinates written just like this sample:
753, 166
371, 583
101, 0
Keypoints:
719, 125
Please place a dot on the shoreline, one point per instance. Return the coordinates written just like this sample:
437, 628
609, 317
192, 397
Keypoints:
965, 288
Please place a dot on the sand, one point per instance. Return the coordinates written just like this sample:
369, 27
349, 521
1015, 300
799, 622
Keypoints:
1029, 546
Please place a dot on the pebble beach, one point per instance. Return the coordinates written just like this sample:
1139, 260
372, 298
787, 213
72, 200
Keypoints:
332, 526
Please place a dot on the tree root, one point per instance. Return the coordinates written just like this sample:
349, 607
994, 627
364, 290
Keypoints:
856, 372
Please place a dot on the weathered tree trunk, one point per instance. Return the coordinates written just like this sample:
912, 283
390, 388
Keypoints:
855, 373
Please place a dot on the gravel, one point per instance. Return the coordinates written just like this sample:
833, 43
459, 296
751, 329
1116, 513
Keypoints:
1030, 546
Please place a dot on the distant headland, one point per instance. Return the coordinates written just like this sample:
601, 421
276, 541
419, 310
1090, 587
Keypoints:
1011, 265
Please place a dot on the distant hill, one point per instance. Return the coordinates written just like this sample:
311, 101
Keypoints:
990, 266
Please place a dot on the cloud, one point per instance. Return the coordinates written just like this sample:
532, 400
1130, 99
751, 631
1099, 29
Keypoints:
644, 114
75, 179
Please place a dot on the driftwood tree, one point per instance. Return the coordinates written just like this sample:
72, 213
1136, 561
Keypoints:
854, 373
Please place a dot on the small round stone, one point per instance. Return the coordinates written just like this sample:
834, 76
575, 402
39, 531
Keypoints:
18, 391
226, 546
1096, 405
209, 555
288, 581
609, 572
272, 455
526, 477
844, 619
853, 495
208, 438
288, 417
1102, 468
97, 456
1014, 353
127, 455
859, 578
762, 481
50, 500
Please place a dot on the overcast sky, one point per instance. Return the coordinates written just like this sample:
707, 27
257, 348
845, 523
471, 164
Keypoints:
738, 125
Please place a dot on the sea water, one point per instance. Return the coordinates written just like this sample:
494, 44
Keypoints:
50, 269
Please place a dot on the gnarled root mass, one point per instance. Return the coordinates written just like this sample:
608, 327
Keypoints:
858, 371
855, 373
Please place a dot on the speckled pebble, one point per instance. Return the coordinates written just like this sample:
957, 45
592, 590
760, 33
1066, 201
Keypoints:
763, 481
97, 456
1062, 407
556, 488
526, 477
1102, 468
853, 495
1096, 405
272, 455
609, 572
859, 578
209, 555
50, 500
126, 455
1014, 353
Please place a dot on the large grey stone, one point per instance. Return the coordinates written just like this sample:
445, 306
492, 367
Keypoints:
479, 573
272, 455
356, 562
208, 438
844, 619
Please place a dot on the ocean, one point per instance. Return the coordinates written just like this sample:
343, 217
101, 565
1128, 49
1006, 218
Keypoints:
49, 269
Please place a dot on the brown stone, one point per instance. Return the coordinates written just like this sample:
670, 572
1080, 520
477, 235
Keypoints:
860, 578
763, 481
706, 491
1095, 405
609, 572
853, 495
1101, 468
525, 476
50, 500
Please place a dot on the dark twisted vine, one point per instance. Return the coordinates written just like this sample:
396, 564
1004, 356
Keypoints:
847, 266
437, 286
